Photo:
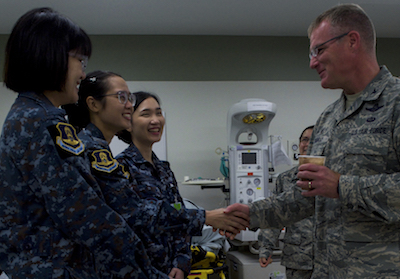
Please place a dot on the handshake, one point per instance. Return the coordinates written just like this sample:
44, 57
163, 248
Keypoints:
231, 220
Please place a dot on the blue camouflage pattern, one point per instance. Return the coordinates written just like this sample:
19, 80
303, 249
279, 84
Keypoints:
54, 222
151, 219
158, 183
114, 182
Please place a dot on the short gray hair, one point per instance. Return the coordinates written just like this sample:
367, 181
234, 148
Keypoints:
347, 17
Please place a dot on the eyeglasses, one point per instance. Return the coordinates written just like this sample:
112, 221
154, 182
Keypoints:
83, 58
304, 140
124, 97
316, 50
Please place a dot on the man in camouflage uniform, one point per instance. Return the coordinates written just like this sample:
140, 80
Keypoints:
297, 252
356, 193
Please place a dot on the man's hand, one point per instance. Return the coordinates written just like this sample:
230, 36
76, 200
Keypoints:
239, 207
231, 220
238, 210
176, 273
265, 262
318, 180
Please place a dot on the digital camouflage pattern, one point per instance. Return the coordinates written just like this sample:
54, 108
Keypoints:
154, 220
113, 180
158, 183
357, 235
53, 218
297, 252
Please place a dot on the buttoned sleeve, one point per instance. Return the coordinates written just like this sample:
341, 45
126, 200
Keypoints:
281, 210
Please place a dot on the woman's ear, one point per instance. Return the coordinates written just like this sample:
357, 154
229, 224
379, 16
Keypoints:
93, 104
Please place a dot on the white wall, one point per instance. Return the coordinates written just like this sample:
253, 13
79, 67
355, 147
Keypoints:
197, 117
7, 98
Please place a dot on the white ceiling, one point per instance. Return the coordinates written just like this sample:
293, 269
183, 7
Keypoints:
200, 17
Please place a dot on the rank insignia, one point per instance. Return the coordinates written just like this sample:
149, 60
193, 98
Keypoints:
103, 161
67, 139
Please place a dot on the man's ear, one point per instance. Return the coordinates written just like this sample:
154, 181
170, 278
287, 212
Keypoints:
355, 40
93, 104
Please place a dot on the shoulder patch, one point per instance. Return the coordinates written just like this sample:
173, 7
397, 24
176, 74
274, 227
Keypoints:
102, 160
66, 139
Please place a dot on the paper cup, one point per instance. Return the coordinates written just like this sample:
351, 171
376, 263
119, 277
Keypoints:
308, 159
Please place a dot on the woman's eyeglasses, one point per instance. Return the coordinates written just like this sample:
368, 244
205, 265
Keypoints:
124, 97
82, 58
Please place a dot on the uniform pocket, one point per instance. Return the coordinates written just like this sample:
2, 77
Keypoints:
39, 244
366, 151
294, 239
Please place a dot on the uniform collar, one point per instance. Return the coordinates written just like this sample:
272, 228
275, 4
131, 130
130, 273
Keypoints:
95, 132
41, 100
135, 153
370, 93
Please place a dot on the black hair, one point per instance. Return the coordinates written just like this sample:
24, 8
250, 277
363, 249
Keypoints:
124, 135
309, 127
141, 96
96, 85
36, 57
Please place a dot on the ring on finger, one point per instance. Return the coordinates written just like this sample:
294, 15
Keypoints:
310, 185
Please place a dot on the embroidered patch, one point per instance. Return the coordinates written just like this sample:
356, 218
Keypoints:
67, 139
375, 108
104, 161
369, 131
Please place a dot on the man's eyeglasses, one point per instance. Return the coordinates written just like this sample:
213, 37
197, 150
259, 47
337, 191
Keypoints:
316, 50
304, 140
124, 97
83, 58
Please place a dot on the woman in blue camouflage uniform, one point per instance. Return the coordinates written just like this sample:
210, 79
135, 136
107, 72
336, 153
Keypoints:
54, 222
155, 178
153, 220
105, 108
